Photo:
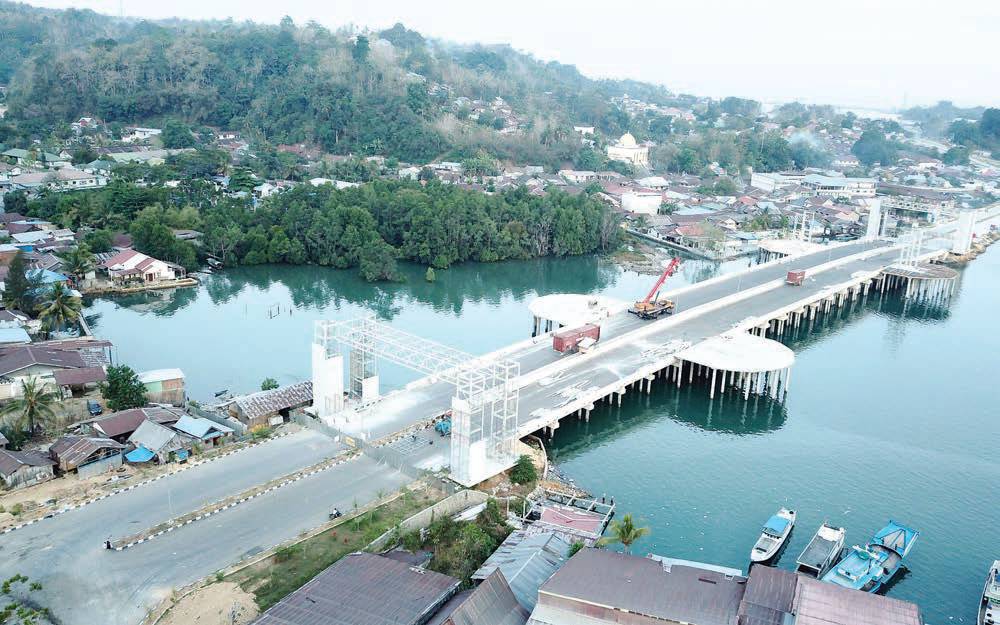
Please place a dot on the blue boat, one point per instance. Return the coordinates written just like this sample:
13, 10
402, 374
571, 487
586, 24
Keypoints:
868, 568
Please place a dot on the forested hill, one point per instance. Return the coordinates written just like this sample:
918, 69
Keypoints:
386, 92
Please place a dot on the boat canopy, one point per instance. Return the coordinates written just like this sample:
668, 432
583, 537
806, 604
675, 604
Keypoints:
896, 537
775, 525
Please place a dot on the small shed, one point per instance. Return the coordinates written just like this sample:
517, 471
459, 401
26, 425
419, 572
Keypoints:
120, 425
86, 455
271, 407
526, 561
164, 386
162, 443
206, 431
78, 381
23, 468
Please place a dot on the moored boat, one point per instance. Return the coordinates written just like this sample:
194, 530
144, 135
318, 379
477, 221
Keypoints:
989, 609
868, 568
773, 535
822, 551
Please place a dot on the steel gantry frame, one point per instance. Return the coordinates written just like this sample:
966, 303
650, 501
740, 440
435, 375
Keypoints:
484, 409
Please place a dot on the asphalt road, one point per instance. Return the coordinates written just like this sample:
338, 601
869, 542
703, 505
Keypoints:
85, 584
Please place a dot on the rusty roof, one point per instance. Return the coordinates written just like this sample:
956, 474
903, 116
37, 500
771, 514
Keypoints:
71, 377
822, 603
265, 402
70, 451
364, 589
645, 587
22, 357
128, 421
769, 597
11, 461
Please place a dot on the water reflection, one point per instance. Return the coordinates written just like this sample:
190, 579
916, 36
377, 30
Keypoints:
161, 303
727, 413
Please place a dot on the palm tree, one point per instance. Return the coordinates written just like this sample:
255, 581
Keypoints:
78, 261
624, 532
34, 407
59, 308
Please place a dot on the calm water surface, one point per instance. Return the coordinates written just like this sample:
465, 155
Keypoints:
892, 411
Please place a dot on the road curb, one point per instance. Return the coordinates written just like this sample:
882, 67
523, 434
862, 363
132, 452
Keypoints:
143, 483
231, 504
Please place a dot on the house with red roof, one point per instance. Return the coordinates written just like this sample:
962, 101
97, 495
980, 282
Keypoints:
132, 266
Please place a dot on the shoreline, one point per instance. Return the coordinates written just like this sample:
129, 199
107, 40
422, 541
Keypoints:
157, 286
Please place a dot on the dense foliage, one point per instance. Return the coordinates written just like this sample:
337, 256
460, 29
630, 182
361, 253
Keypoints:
122, 389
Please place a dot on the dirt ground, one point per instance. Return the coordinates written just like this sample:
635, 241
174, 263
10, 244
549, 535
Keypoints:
215, 604
641, 257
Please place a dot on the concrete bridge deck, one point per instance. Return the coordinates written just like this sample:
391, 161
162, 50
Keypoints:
552, 384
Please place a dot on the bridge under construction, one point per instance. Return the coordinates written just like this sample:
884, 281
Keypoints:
725, 332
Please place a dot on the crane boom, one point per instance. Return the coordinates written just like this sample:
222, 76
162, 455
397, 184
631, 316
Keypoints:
663, 276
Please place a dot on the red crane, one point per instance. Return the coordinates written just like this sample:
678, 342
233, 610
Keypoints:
650, 308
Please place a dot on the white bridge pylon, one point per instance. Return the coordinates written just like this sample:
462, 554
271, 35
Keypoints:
484, 408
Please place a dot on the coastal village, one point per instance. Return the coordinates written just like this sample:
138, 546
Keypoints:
547, 566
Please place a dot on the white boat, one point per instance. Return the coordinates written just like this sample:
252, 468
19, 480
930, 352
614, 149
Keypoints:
989, 609
822, 552
773, 535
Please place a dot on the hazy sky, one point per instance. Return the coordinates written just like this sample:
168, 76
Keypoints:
878, 53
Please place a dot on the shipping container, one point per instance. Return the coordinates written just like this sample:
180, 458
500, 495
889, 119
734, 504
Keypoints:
566, 340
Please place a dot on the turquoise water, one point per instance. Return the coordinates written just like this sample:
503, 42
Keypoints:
891, 413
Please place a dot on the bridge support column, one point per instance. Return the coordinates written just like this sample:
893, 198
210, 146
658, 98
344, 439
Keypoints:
711, 391
649, 384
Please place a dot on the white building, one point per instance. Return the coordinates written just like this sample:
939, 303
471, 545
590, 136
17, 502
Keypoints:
771, 181
577, 177
840, 187
140, 134
627, 150
130, 265
642, 201
59, 180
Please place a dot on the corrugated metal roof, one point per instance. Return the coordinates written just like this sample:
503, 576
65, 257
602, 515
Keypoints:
201, 428
526, 562
83, 375
127, 421
28, 355
822, 603
11, 461
769, 597
265, 402
158, 438
363, 589
491, 603
70, 451
643, 586
160, 375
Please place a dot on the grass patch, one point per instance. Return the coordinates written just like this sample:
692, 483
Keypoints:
291, 567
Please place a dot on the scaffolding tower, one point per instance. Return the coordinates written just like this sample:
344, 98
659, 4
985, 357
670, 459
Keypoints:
484, 407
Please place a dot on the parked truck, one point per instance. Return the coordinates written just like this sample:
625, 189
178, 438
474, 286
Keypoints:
795, 277
574, 338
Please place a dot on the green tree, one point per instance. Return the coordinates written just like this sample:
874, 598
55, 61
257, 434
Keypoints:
99, 241
269, 384
77, 262
33, 409
360, 50
175, 135
60, 308
624, 532
873, 148
15, 202
523, 472
122, 389
956, 156
20, 289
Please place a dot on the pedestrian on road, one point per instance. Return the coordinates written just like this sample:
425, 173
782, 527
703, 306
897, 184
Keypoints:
107, 544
